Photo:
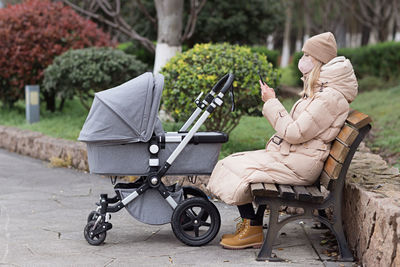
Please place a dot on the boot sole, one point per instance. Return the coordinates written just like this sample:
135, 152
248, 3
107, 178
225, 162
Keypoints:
254, 245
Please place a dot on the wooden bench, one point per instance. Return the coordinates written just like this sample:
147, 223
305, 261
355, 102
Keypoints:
310, 198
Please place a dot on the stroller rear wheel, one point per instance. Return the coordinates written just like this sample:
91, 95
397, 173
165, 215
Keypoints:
203, 223
190, 191
92, 239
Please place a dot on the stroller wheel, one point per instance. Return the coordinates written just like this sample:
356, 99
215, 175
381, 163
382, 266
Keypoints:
92, 216
195, 221
190, 191
93, 240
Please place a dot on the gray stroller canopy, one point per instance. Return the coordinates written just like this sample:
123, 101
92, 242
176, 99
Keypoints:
126, 113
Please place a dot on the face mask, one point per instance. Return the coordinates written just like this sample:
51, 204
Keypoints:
305, 64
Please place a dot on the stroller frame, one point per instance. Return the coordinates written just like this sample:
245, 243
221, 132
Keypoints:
99, 220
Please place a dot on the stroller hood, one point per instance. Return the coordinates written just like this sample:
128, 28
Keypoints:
126, 113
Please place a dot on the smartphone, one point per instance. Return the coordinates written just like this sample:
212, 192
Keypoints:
261, 78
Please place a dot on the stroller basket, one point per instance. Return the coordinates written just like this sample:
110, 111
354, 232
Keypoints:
149, 207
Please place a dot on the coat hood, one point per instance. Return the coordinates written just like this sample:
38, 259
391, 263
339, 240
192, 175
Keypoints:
339, 74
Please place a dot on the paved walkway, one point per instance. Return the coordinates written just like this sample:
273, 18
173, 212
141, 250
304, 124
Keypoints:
43, 211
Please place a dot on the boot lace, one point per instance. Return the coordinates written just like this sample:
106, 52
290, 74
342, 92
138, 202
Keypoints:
239, 225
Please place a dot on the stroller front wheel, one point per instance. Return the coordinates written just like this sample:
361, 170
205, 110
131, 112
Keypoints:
93, 215
91, 238
195, 221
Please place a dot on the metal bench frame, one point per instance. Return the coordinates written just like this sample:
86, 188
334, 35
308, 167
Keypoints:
333, 200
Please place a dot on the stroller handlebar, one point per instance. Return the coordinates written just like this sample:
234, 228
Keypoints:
220, 88
224, 83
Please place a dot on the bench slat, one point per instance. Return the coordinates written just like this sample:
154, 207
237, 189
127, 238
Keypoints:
257, 188
332, 167
317, 196
347, 135
339, 151
358, 119
271, 190
286, 191
301, 193
264, 190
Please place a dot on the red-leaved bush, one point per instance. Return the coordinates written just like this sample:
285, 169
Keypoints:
32, 34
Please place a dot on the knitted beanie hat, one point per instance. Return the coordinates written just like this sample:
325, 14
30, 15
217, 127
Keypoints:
321, 46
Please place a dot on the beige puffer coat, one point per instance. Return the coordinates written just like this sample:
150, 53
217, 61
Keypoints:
306, 135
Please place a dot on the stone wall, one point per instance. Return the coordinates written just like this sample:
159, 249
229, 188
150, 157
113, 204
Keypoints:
372, 192
372, 210
38, 145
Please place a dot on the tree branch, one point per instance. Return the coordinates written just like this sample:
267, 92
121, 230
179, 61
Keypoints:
107, 8
191, 23
146, 13
117, 22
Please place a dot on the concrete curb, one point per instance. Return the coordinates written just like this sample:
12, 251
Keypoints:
371, 220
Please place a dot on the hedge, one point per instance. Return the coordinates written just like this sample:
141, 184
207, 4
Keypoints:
380, 61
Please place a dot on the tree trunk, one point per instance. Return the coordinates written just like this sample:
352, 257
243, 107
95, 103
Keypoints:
307, 21
286, 36
50, 99
391, 24
169, 15
365, 33
270, 42
340, 34
373, 36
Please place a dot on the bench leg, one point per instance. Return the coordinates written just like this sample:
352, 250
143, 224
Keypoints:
273, 229
337, 229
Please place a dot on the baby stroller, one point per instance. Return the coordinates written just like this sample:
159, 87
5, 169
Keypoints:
124, 136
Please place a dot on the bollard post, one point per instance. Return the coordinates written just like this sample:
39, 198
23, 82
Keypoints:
32, 106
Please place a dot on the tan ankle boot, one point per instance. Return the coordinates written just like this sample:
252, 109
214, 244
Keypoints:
239, 227
249, 236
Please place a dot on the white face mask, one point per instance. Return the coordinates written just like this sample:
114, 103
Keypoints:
305, 64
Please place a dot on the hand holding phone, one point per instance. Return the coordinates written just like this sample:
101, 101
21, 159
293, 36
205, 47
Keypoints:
266, 91
261, 79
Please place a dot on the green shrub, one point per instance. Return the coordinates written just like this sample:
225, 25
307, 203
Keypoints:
272, 55
85, 71
380, 61
198, 69
370, 83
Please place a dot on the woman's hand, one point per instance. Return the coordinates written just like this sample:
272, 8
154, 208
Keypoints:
266, 92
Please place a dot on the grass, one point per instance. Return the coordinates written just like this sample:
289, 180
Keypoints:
383, 106
65, 124
252, 132
288, 78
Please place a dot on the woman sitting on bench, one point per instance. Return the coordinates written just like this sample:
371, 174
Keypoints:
296, 153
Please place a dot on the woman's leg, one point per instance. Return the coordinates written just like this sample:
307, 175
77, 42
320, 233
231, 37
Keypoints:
259, 216
247, 211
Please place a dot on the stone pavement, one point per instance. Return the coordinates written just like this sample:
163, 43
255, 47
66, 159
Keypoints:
43, 212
